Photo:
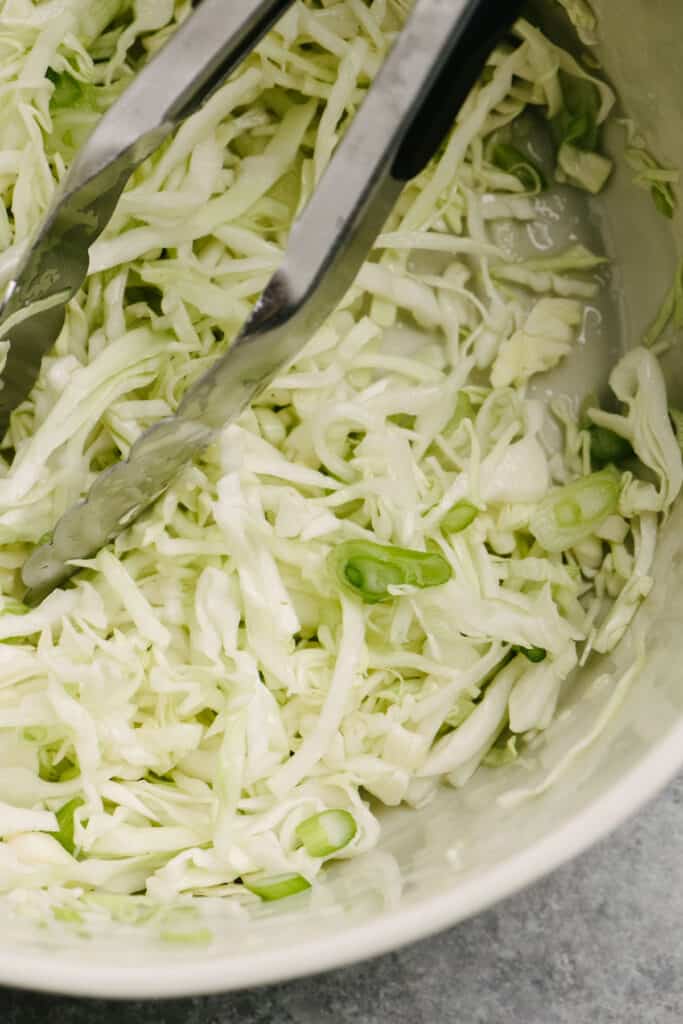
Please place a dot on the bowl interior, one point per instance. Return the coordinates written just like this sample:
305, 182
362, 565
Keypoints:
439, 864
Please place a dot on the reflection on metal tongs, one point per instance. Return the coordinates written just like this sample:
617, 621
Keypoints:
407, 112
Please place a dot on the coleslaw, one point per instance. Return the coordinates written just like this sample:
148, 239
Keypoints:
383, 575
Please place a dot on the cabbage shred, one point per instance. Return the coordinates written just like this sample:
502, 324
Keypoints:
206, 685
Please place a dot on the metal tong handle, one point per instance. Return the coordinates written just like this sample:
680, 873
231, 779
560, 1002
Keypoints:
402, 121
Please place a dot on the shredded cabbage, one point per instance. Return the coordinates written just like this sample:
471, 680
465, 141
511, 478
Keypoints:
582, 16
207, 708
650, 174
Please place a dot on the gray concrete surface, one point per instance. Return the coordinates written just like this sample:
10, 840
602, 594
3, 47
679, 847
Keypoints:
599, 942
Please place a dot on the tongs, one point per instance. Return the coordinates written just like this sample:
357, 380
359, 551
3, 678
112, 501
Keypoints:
406, 113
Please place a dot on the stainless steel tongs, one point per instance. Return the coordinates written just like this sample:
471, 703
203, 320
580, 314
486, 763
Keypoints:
404, 117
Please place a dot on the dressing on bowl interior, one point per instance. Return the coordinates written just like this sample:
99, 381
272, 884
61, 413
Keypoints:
437, 865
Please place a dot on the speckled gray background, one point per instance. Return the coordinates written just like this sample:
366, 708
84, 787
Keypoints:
599, 942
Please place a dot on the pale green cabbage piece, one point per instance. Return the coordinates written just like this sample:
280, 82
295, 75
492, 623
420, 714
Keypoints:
589, 171
638, 382
543, 341
584, 18
660, 181
204, 686
670, 314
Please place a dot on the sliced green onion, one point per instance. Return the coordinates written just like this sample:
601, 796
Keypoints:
577, 121
65, 820
327, 832
570, 514
607, 447
534, 654
369, 569
510, 159
275, 887
459, 517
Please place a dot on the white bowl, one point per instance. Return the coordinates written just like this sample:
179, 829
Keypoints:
438, 865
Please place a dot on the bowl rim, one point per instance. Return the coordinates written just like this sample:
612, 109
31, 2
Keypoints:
393, 929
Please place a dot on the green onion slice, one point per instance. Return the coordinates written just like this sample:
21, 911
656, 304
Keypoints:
512, 160
534, 654
275, 887
369, 569
577, 121
325, 833
571, 513
459, 517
